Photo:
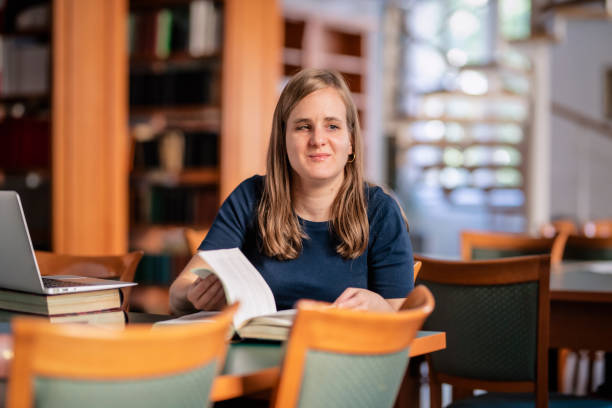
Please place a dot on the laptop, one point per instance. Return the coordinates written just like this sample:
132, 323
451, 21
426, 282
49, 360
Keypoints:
18, 266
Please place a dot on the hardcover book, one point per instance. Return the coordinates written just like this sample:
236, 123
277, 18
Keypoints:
257, 317
62, 304
109, 318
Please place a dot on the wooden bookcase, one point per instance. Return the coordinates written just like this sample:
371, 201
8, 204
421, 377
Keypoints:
25, 103
70, 167
175, 55
193, 142
91, 155
319, 41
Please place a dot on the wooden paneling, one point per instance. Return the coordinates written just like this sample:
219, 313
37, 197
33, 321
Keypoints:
251, 74
90, 141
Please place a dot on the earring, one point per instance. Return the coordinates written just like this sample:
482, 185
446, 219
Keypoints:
351, 158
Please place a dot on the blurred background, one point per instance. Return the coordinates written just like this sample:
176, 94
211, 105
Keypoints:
122, 123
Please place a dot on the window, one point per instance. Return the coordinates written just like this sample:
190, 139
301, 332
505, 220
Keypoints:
464, 111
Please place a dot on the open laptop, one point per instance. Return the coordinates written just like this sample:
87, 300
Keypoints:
18, 266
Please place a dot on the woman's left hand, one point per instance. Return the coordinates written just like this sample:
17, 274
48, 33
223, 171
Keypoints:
362, 299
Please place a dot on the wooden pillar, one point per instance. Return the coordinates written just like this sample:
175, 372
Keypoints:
251, 76
89, 119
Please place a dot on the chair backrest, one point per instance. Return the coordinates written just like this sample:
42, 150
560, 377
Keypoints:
585, 248
560, 226
121, 267
347, 358
57, 365
194, 238
598, 228
495, 314
416, 269
565, 226
494, 245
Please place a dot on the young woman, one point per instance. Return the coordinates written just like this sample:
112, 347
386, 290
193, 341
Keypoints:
311, 226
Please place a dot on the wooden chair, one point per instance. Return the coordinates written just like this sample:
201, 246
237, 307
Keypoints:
487, 245
496, 315
565, 226
85, 366
598, 228
120, 267
417, 269
561, 226
194, 238
347, 358
495, 245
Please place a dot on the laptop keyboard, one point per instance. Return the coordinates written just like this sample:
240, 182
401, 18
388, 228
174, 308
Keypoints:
56, 283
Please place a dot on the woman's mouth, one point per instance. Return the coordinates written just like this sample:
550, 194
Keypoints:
318, 156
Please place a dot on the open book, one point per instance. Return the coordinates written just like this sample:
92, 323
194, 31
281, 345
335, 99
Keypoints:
257, 317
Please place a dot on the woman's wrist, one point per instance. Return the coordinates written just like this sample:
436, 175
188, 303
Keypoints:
179, 304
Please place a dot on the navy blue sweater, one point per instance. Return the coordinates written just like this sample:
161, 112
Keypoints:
319, 272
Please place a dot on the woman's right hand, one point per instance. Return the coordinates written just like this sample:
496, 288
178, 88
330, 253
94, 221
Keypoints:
207, 293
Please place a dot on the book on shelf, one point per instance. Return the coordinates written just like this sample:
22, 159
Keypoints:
188, 205
26, 143
62, 304
192, 28
107, 318
257, 317
188, 86
24, 66
196, 150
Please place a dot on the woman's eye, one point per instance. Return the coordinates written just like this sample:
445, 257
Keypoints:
334, 127
303, 127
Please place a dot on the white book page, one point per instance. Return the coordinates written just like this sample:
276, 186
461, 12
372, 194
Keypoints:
242, 282
284, 318
197, 317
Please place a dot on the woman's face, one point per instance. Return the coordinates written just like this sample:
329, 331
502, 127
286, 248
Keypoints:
317, 137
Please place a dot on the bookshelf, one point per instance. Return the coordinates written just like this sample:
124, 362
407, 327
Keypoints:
85, 181
472, 142
319, 41
343, 37
25, 126
198, 120
67, 162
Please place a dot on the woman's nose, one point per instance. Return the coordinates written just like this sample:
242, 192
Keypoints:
317, 137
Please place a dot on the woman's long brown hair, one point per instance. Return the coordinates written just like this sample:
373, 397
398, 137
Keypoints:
279, 228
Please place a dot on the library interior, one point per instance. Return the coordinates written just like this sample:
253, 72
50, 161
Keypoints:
125, 124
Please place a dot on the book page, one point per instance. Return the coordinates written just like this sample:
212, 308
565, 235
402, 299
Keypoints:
264, 332
242, 282
197, 317
284, 318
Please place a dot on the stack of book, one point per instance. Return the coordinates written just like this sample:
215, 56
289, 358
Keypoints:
101, 307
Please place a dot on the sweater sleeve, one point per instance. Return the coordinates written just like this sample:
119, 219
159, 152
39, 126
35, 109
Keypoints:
390, 261
234, 218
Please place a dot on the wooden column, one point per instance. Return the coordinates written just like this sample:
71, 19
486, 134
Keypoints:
251, 76
90, 138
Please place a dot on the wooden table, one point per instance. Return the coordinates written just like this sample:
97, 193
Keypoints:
581, 306
250, 367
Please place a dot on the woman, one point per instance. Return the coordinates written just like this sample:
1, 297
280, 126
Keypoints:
312, 227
